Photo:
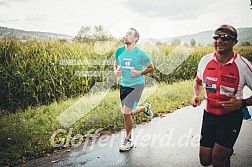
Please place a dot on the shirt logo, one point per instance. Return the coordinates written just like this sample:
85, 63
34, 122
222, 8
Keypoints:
210, 87
127, 63
228, 79
207, 79
226, 90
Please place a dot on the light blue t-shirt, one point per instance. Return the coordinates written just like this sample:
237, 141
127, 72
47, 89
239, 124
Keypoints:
128, 60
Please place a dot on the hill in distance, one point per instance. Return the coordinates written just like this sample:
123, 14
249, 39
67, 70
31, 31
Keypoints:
24, 35
202, 38
205, 37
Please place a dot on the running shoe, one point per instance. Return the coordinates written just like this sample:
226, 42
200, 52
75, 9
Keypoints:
148, 111
126, 145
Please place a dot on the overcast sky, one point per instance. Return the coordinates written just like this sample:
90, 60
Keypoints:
153, 18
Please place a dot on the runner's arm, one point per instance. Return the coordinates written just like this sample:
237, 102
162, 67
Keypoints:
117, 70
145, 70
148, 69
116, 65
197, 88
247, 102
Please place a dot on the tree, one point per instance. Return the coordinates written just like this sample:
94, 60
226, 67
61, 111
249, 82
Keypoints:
175, 42
88, 35
186, 44
100, 34
158, 43
193, 42
84, 35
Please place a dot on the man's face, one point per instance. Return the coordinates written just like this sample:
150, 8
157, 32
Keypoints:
130, 37
223, 42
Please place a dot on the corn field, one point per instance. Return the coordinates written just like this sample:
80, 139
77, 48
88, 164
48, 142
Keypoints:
40, 72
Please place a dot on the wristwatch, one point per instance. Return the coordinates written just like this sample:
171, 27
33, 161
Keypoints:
244, 103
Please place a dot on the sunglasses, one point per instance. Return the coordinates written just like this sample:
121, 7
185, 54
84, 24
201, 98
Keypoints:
224, 37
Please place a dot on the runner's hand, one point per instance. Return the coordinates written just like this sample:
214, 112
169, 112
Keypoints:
135, 72
118, 72
196, 101
232, 104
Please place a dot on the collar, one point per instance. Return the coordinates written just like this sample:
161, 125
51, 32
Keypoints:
229, 62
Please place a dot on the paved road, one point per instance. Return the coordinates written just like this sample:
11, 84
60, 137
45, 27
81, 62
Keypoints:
170, 141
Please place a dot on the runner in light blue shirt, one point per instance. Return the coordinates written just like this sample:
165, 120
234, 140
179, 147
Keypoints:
131, 63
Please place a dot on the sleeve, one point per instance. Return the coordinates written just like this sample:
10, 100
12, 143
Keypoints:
118, 52
248, 74
146, 60
199, 74
116, 56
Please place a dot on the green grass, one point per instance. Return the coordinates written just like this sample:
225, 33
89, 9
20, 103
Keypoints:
26, 134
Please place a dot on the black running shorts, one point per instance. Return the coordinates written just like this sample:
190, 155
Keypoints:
221, 129
130, 96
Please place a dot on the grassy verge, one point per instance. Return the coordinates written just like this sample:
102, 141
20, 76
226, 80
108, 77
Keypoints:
26, 134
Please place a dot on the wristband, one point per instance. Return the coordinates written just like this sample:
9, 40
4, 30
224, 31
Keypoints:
244, 103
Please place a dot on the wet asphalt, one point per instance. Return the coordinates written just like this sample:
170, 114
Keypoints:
169, 141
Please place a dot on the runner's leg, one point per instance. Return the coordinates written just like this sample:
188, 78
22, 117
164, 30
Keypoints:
220, 155
128, 121
205, 155
138, 110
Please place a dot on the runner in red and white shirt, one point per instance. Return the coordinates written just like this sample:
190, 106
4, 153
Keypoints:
223, 75
222, 79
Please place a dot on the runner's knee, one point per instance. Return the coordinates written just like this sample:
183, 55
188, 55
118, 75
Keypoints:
205, 156
126, 111
205, 161
220, 155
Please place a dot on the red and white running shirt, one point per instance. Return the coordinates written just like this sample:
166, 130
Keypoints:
219, 80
